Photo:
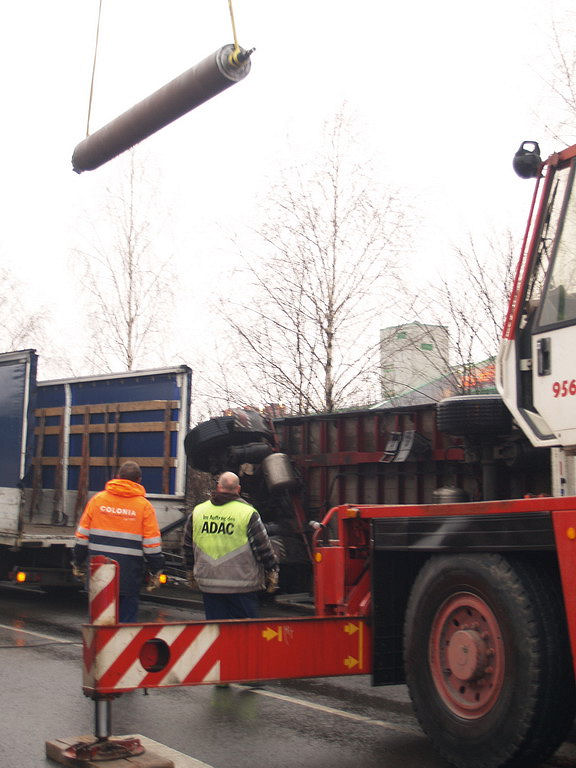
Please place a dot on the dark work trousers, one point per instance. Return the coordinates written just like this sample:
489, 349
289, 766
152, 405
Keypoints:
241, 605
128, 608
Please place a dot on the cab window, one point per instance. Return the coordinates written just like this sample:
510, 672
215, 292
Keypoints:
559, 300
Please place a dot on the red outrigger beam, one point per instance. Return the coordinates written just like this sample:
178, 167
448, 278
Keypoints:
125, 657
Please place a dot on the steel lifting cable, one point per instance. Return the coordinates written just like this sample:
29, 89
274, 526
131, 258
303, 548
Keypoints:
93, 69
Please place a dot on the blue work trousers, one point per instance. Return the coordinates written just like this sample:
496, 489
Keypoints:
128, 608
240, 605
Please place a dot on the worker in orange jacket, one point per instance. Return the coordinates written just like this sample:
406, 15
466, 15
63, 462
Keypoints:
120, 523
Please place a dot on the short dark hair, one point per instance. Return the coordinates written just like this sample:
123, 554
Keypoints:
130, 471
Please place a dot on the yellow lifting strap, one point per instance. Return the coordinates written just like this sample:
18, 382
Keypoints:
233, 58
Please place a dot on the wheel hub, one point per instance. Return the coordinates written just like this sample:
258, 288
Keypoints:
466, 654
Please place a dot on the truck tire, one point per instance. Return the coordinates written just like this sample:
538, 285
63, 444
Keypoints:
487, 660
473, 415
206, 441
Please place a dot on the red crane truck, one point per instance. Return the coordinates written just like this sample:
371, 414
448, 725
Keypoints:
472, 604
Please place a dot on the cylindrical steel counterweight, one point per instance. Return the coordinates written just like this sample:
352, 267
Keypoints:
195, 86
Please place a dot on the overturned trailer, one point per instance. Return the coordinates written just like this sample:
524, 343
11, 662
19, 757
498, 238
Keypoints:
296, 468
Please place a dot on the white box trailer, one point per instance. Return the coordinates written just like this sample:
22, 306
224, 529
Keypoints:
61, 440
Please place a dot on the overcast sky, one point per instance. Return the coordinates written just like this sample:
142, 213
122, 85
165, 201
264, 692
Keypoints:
446, 92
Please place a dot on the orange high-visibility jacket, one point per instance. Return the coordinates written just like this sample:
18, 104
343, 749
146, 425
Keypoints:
120, 523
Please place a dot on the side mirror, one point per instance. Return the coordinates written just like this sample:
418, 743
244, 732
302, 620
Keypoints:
527, 160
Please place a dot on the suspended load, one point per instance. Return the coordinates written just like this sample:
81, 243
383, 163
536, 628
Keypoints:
214, 74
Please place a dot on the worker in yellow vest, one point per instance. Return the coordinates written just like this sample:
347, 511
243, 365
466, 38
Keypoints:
228, 554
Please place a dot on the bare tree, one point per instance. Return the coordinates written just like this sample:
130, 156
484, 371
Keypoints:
471, 301
561, 84
305, 331
471, 304
475, 302
127, 282
19, 326
213, 390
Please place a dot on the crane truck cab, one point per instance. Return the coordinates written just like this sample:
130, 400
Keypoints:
536, 375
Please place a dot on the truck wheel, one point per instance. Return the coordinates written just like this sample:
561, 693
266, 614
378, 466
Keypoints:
487, 660
206, 442
473, 415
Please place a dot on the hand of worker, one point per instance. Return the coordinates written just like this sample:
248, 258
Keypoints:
153, 581
271, 581
78, 572
192, 583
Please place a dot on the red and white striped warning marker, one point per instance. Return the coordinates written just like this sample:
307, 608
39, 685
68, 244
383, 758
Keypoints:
151, 656
103, 590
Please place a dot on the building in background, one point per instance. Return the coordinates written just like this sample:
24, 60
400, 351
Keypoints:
411, 355
473, 379
415, 367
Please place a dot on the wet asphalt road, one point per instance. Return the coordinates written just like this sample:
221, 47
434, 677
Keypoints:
319, 723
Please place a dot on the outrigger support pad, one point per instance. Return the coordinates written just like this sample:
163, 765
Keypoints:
104, 749
104, 746
210, 77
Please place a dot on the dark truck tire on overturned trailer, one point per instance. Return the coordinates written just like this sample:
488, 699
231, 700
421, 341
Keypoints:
208, 441
473, 415
487, 660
